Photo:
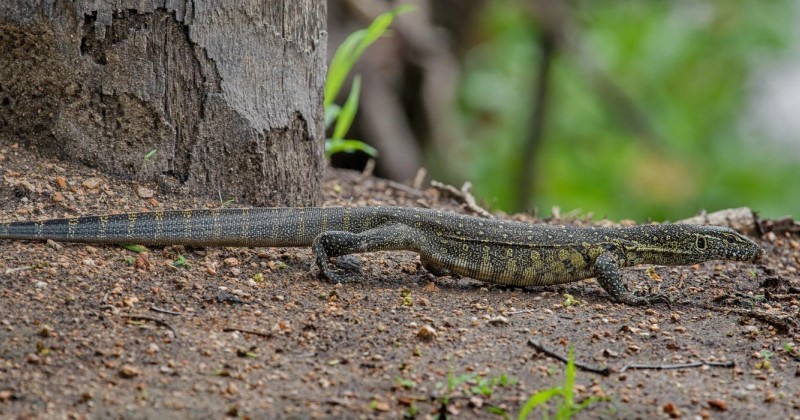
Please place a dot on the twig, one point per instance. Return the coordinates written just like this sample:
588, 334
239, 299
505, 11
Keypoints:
784, 324
524, 311
419, 178
605, 371
728, 364
403, 187
742, 219
246, 331
369, 169
464, 195
15, 270
160, 322
155, 308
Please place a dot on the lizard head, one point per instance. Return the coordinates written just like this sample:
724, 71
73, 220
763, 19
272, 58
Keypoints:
719, 243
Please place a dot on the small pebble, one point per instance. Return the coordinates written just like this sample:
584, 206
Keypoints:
143, 192
671, 410
498, 320
426, 333
720, 405
6, 394
91, 183
152, 349
128, 371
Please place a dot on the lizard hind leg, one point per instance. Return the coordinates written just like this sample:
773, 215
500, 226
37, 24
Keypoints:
340, 244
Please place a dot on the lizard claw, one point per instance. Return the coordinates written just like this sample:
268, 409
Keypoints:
659, 298
347, 267
349, 264
649, 299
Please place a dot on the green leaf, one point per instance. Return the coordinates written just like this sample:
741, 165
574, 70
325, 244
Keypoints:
181, 262
497, 411
348, 111
353, 47
405, 383
341, 145
537, 399
340, 66
454, 382
135, 248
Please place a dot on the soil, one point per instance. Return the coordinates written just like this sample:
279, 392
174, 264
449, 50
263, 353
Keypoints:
101, 331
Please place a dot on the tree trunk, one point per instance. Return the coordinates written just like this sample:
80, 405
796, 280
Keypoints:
229, 94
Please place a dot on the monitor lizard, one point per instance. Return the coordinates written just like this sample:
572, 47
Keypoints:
497, 251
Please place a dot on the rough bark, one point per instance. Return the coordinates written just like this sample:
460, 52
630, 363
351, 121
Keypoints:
228, 93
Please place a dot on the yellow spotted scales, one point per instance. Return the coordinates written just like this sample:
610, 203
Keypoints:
503, 252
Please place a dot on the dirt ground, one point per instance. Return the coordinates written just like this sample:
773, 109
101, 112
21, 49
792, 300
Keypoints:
100, 331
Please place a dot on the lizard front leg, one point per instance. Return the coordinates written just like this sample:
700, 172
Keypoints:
339, 243
608, 275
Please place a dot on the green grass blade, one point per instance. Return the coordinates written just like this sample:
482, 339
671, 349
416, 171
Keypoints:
340, 66
150, 154
379, 26
537, 399
135, 248
353, 47
569, 378
348, 112
333, 146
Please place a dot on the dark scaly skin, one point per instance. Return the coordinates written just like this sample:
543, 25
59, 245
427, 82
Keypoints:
497, 251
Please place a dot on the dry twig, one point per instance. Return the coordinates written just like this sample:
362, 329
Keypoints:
155, 308
158, 321
464, 195
728, 364
784, 324
605, 371
403, 187
247, 331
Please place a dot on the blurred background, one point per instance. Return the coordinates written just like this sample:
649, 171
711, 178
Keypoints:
622, 109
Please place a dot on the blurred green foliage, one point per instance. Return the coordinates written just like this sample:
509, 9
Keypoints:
686, 66
342, 62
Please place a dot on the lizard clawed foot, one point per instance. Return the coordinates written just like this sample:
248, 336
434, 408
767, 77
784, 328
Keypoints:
350, 264
346, 269
649, 299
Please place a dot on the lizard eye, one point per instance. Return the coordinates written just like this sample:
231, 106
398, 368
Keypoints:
730, 239
701, 242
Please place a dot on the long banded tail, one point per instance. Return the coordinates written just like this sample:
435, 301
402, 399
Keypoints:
215, 227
